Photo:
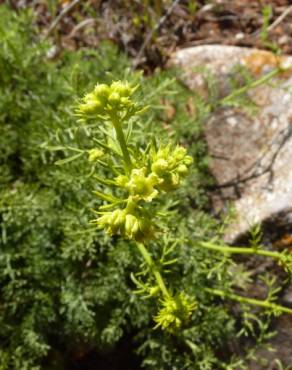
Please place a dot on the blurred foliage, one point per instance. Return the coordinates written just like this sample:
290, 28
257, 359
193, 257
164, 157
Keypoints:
65, 285
149, 30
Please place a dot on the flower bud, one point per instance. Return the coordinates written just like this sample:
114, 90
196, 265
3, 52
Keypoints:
120, 219
102, 91
131, 226
113, 222
179, 153
94, 154
175, 312
141, 186
188, 160
91, 105
114, 99
104, 220
182, 170
125, 102
121, 180
113, 227
122, 88
159, 166
153, 291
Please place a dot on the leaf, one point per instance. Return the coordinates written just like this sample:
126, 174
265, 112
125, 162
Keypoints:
104, 181
55, 148
106, 147
129, 131
68, 159
106, 197
75, 149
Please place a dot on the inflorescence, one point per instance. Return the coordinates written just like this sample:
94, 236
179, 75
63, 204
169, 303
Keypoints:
140, 180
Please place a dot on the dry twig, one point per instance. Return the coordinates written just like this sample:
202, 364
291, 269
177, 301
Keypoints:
58, 19
280, 18
151, 33
276, 22
83, 24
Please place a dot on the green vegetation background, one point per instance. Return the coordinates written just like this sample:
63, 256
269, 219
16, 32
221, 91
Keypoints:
65, 285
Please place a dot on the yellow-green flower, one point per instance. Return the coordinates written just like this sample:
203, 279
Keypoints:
175, 312
141, 186
113, 221
170, 165
95, 154
154, 291
90, 106
106, 100
126, 223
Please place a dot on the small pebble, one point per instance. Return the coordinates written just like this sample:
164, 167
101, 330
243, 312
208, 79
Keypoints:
239, 36
53, 52
283, 40
287, 298
232, 121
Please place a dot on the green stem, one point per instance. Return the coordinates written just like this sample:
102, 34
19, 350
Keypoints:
252, 301
252, 85
240, 250
122, 141
148, 259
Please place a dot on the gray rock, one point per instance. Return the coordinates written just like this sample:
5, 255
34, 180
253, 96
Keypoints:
251, 153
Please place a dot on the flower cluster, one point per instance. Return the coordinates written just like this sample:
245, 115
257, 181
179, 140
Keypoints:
167, 166
142, 178
175, 312
140, 185
170, 164
106, 100
160, 170
130, 222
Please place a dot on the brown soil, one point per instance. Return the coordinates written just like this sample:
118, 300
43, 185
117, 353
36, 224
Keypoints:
130, 22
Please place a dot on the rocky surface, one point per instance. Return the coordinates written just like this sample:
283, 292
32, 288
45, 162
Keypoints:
251, 152
282, 348
251, 156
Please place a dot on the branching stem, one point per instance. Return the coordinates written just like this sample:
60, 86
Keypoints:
252, 301
148, 259
240, 250
260, 81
